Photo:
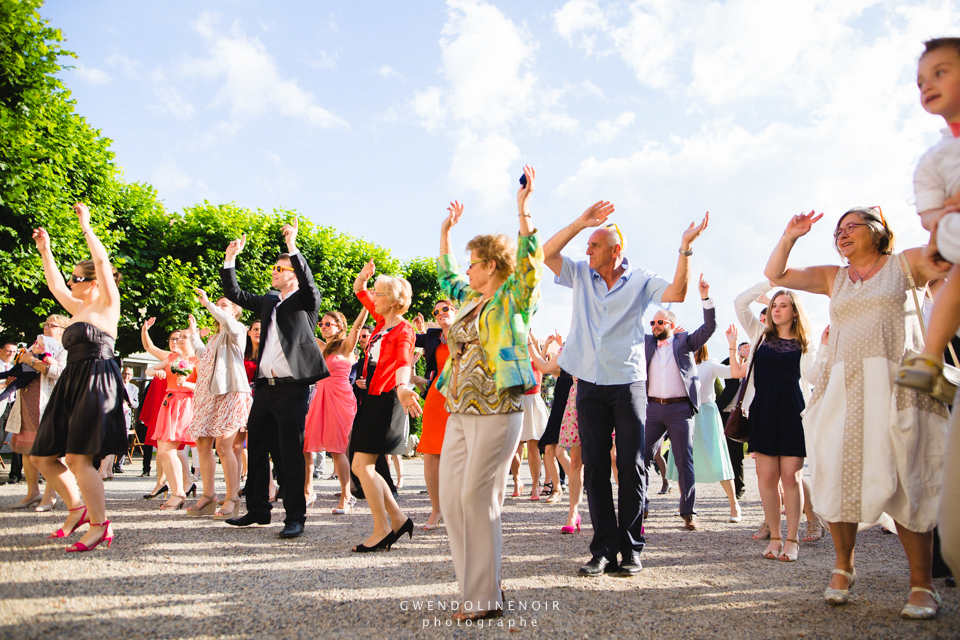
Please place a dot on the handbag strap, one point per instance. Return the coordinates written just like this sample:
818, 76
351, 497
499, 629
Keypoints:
746, 379
905, 266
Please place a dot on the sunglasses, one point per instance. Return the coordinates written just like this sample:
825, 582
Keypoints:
613, 225
443, 309
656, 323
329, 324
74, 279
280, 268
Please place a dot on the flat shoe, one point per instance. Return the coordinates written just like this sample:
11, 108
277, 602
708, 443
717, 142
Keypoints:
840, 596
916, 612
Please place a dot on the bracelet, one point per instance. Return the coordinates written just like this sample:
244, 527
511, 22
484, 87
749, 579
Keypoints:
686, 253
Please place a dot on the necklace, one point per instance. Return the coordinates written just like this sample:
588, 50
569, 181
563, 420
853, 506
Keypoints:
859, 282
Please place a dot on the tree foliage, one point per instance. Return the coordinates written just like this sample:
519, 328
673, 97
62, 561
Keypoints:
50, 157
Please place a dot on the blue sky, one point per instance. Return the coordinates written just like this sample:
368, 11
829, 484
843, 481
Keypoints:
370, 117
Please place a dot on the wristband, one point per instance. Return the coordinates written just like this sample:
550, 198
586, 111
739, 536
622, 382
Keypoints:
689, 252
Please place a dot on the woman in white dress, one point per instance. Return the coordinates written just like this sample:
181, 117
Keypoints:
875, 447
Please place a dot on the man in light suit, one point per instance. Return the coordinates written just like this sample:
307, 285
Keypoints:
288, 362
673, 396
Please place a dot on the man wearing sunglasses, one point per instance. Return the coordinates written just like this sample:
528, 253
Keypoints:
605, 351
288, 362
673, 394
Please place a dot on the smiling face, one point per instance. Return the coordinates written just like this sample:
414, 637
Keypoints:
444, 318
662, 326
364, 337
938, 78
854, 236
283, 276
8, 352
53, 329
127, 375
781, 311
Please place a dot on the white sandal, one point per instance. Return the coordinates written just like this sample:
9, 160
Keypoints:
840, 596
916, 612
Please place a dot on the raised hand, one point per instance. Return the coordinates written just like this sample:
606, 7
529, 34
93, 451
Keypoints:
367, 271
704, 288
204, 332
801, 224
763, 299
83, 215
731, 334
202, 296
418, 323
192, 322
42, 238
290, 232
523, 194
149, 323
454, 212
692, 232
235, 247
596, 214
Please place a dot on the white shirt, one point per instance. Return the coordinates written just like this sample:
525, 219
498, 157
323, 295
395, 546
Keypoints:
937, 176
663, 374
273, 363
708, 371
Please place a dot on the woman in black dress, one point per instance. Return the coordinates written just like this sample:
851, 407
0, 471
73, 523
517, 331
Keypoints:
774, 399
84, 417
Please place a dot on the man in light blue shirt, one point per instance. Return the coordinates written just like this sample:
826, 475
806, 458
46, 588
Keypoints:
605, 351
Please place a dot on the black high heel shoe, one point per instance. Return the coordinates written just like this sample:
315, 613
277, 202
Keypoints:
192, 490
386, 543
150, 496
407, 528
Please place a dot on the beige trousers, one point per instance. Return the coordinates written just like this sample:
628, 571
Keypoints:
474, 465
950, 497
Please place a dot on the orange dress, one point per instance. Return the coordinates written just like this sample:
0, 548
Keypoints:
434, 414
176, 410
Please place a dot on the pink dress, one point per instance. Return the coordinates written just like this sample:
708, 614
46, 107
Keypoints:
332, 410
176, 410
569, 429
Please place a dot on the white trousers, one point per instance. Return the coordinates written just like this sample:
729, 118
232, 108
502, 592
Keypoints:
474, 465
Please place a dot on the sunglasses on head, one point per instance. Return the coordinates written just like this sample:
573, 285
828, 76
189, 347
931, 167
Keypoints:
278, 268
654, 323
443, 309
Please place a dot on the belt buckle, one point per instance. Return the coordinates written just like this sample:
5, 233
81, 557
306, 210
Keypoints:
271, 381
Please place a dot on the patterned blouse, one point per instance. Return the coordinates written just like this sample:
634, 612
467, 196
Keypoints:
476, 389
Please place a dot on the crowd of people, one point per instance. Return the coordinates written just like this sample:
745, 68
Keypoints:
865, 408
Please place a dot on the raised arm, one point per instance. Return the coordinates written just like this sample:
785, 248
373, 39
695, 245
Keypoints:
451, 281
55, 281
699, 337
812, 279
542, 365
148, 345
737, 369
595, 215
308, 296
193, 335
350, 342
523, 201
360, 282
676, 291
742, 305
109, 294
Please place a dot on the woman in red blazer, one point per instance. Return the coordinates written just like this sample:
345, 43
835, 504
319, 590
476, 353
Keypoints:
379, 428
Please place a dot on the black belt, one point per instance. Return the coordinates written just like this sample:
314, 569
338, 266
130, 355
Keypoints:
274, 381
668, 400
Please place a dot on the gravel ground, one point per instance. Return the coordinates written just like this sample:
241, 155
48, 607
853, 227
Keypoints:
170, 576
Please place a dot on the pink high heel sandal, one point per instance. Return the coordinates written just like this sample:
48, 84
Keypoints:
576, 526
106, 537
84, 519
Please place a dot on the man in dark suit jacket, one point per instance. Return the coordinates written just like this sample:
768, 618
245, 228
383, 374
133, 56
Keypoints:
289, 361
731, 389
673, 396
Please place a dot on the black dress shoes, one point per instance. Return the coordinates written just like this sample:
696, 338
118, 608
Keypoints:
597, 566
631, 565
292, 530
248, 519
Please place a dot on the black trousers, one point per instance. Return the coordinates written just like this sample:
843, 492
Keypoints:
147, 449
275, 429
603, 409
736, 458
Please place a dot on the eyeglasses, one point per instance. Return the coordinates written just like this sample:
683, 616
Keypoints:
443, 309
660, 323
848, 228
52, 325
329, 324
379, 294
613, 225
280, 268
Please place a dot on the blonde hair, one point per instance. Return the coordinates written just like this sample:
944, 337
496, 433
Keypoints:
237, 309
498, 248
61, 321
801, 324
397, 289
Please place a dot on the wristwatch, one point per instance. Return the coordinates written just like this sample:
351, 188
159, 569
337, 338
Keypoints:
686, 253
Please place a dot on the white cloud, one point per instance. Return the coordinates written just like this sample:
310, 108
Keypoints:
251, 82
325, 61
387, 72
479, 162
170, 97
608, 130
92, 75
168, 177
128, 66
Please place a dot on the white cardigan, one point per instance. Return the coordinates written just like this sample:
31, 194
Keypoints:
808, 360
229, 374
47, 382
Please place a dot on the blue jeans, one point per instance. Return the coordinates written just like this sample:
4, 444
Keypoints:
603, 410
